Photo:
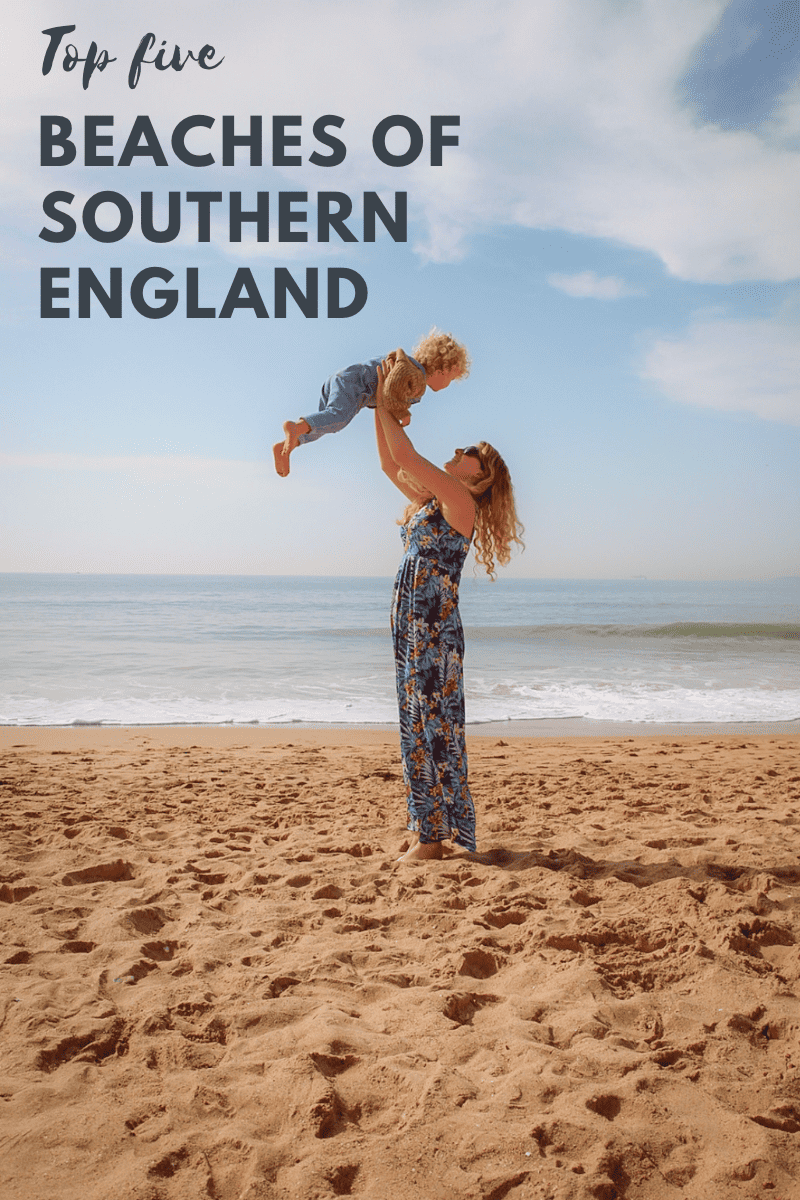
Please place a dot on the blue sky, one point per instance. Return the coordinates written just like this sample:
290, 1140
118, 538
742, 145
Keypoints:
614, 239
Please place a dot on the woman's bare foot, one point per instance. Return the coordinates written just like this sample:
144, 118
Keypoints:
281, 450
422, 852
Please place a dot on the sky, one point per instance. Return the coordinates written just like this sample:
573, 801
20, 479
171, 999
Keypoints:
614, 238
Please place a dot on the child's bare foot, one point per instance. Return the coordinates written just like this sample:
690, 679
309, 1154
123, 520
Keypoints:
422, 852
281, 459
281, 450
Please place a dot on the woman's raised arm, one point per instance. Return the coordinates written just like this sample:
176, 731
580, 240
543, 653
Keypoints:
454, 497
389, 466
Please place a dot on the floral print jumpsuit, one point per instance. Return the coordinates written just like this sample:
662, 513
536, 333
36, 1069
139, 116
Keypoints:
428, 650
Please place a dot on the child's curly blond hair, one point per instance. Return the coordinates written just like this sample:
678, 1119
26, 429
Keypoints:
439, 351
405, 382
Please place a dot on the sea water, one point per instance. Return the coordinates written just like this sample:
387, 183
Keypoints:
163, 650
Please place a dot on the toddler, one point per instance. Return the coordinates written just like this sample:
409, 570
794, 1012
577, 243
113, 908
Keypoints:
437, 360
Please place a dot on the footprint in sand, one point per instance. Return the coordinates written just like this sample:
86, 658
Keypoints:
145, 920
101, 873
461, 1007
13, 895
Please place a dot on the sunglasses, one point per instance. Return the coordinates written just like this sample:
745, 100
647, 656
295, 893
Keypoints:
473, 451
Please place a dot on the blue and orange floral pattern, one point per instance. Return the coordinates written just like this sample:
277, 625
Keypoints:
429, 649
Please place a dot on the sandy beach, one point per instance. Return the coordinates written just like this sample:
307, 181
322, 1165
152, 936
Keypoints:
217, 981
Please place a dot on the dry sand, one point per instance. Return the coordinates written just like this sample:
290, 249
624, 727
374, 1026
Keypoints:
218, 983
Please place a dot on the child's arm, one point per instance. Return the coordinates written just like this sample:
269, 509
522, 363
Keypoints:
454, 498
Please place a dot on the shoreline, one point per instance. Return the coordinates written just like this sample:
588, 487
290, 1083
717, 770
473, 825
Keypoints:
552, 729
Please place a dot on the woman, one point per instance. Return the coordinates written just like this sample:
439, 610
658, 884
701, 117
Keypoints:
472, 495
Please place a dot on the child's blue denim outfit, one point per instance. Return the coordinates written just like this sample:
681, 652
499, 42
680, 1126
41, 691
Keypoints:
343, 395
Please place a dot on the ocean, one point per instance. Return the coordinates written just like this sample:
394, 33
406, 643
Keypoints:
249, 650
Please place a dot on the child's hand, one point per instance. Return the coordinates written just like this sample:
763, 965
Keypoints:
383, 371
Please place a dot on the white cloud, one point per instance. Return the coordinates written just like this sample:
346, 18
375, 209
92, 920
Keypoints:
783, 127
732, 366
571, 117
589, 286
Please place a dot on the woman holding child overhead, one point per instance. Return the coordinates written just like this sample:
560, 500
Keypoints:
472, 496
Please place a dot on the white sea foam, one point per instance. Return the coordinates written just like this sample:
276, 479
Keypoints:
504, 701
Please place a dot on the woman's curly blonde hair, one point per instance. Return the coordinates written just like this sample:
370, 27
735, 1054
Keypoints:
496, 522
439, 351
